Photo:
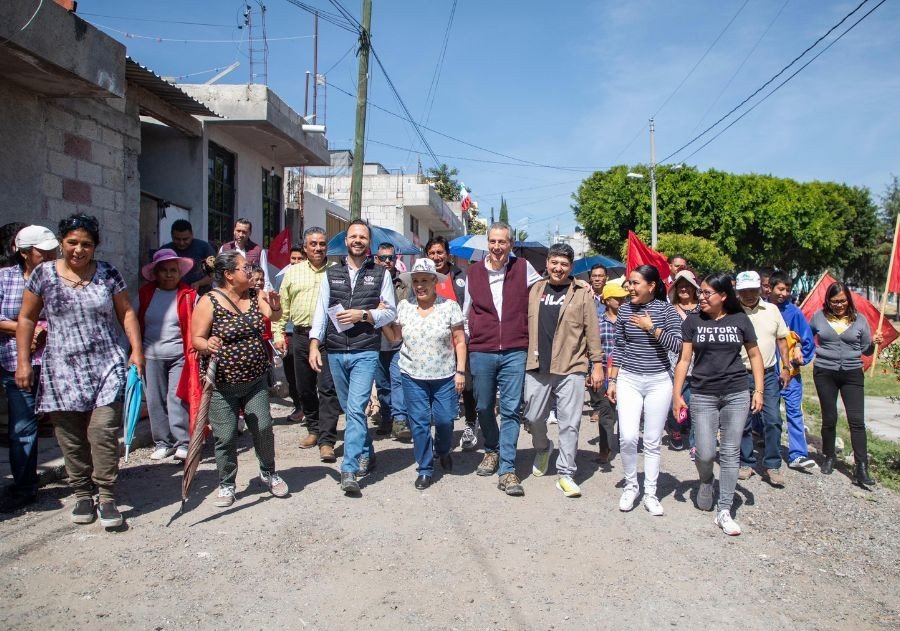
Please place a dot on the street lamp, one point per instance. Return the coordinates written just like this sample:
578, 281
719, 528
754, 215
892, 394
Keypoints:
639, 176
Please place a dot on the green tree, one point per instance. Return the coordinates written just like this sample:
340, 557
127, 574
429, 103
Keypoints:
442, 178
504, 211
703, 256
753, 219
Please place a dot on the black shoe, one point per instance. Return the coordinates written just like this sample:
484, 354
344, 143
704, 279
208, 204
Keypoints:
862, 474
84, 512
827, 465
349, 485
446, 462
15, 501
383, 430
423, 482
110, 517
366, 465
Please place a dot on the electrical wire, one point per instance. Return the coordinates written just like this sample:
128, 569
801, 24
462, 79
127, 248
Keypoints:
26, 25
767, 83
335, 64
154, 38
794, 74
436, 76
741, 66
332, 18
123, 17
700, 61
520, 161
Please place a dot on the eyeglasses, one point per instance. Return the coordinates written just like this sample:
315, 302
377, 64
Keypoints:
384, 258
706, 293
840, 301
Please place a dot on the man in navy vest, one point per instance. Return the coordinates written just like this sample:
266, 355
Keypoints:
496, 308
355, 300
252, 252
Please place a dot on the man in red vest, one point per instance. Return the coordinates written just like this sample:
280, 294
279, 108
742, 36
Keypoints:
496, 308
254, 253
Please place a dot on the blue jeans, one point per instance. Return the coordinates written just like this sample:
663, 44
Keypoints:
23, 433
430, 400
390, 387
353, 395
506, 370
771, 419
793, 411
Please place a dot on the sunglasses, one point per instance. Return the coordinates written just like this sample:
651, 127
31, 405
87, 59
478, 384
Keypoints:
83, 221
384, 258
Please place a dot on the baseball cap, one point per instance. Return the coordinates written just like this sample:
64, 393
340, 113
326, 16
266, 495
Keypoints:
36, 237
747, 280
612, 290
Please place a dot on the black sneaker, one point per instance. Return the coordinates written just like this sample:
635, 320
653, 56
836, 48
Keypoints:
110, 517
366, 465
84, 512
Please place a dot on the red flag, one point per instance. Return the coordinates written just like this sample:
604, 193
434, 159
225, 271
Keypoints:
893, 284
445, 288
639, 253
280, 249
816, 299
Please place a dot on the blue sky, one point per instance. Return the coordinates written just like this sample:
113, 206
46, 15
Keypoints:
568, 84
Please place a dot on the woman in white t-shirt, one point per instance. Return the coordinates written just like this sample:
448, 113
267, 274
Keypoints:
432, 367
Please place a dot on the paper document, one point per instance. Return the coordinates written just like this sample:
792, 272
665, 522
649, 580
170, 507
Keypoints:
332, 313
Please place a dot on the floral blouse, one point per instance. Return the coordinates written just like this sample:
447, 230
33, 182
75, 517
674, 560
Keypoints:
427, 352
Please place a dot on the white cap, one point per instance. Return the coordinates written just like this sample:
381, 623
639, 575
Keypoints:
36, 237
747, 280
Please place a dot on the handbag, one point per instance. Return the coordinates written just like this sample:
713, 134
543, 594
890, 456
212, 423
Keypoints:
271, 352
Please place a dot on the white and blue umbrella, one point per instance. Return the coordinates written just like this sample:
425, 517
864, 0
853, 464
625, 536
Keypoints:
338, 247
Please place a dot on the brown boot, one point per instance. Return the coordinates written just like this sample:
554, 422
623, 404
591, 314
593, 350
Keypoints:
310, 440
326, 453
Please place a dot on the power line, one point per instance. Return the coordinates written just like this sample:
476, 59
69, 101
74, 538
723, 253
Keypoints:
335, 64
409, 117
521, 161
178, 40
642, 128
796, 72
436, 76
767, 83
123, 17
700, 61
332, 18
741, 66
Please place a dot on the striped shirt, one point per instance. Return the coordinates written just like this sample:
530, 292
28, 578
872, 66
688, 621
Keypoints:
299, 295
638, 351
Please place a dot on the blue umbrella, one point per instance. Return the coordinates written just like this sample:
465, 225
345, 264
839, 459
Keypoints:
402, 245
134, 395
473, 247
584, 265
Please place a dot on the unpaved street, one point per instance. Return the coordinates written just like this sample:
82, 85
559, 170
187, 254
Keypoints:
820, 554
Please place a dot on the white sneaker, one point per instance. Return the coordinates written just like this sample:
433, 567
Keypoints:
181, 453
727, 524
542, 461
241, 424
653, 506
274, 483
225, 496
551, 419
469, 438
161, 453
626, 502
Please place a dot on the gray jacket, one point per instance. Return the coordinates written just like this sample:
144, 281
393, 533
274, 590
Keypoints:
841, 352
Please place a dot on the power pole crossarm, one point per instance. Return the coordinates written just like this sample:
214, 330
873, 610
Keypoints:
361, 95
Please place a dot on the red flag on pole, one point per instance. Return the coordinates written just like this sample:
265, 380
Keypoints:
280, 249
893, 284
816, 299
639, 253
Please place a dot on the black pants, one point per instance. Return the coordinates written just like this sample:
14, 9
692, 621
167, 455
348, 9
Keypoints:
850, 385
608, 417
289, 374
318, 398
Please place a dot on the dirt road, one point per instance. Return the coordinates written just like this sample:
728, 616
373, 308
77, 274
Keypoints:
819, 554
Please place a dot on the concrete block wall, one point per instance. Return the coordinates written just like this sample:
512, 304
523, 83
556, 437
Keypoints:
69, 155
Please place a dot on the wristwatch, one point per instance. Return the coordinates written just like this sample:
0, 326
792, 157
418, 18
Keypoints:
365, 317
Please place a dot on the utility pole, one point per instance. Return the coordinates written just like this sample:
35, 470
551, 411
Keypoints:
362, 91
653, 234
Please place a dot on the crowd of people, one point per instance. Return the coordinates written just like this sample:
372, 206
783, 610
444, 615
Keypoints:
707, 361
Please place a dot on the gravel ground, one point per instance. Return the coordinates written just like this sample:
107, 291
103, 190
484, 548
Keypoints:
819, 554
